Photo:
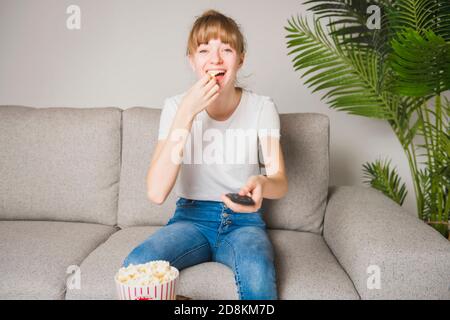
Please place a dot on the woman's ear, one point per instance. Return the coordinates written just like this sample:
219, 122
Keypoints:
242, 58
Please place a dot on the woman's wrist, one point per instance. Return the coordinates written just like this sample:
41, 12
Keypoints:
184, 117
262, 179
186, 112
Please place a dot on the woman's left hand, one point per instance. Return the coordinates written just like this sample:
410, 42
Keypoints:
254, 189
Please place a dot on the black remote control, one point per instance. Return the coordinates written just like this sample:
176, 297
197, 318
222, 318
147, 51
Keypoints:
244, 200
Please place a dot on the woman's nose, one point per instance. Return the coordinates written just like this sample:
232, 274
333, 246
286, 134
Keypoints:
215, 57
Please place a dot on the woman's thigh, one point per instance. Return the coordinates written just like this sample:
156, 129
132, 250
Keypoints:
180, 243
249, 253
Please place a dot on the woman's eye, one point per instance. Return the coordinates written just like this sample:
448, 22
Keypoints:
205, 51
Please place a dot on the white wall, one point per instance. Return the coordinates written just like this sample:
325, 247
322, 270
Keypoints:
131, 53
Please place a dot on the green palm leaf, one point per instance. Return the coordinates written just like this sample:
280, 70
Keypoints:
350, 17
435, 178
421, 63
421, 16
380, 176
348, 72
425, 182
392, 73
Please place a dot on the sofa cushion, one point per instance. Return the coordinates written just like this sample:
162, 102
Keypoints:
304, 139
35, 255
305, 145
59, 164
379, 242
99, 268
306, 269
140, 136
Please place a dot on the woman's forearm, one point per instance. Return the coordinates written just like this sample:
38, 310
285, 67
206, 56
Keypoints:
163, 171
274, 186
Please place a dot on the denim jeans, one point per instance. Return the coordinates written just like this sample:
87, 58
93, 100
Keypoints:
202, 231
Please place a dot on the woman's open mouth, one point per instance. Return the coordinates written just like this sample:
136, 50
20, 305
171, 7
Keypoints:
218, 74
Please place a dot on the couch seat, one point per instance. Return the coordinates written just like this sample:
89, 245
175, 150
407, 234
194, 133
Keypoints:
35, 255
306, 269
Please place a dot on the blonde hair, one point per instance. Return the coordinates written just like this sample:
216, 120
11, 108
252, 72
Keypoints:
214, 25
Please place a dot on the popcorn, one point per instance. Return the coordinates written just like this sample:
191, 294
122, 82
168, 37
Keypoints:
155, 280
151, 273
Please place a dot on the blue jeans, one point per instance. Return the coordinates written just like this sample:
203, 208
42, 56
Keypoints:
202, 231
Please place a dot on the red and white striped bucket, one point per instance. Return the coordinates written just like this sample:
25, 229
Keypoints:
165, 291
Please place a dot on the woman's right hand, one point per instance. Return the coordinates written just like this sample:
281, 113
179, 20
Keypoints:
200, 95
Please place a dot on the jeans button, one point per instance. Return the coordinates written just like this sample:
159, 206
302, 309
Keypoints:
229, 222
225, 214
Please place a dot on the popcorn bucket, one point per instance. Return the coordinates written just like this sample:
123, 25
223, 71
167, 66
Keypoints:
165, 291
154, 291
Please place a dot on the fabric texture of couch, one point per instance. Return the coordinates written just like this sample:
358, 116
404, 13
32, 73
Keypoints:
73, 193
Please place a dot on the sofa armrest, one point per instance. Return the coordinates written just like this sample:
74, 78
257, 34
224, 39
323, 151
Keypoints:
374, 238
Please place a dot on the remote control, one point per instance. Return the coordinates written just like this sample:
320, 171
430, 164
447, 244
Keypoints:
244, 200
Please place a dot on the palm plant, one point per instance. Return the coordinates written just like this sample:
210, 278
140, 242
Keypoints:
380, 176
398, 73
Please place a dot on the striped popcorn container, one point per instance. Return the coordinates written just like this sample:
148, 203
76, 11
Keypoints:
164, 291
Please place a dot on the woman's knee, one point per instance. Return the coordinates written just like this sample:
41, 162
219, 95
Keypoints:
255, 279
170, 243
254, 264
135, 257
145, 252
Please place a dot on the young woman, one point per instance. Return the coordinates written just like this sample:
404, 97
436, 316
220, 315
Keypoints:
209, 136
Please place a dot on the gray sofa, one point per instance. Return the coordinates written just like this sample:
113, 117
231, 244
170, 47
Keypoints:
73, 193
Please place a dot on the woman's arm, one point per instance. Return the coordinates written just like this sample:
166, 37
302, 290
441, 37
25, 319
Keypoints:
275, 184
166, 161
272, 186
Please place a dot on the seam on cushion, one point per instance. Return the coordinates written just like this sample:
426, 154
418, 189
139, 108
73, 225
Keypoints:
343, 269
91, 251
120, 167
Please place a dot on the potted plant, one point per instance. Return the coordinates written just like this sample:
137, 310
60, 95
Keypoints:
398, 71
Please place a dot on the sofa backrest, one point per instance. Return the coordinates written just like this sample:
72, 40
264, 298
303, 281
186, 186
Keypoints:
59, 164
305, 142
139, 139
305, 145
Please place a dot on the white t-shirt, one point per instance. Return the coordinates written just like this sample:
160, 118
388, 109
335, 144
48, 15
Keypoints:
219, 156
